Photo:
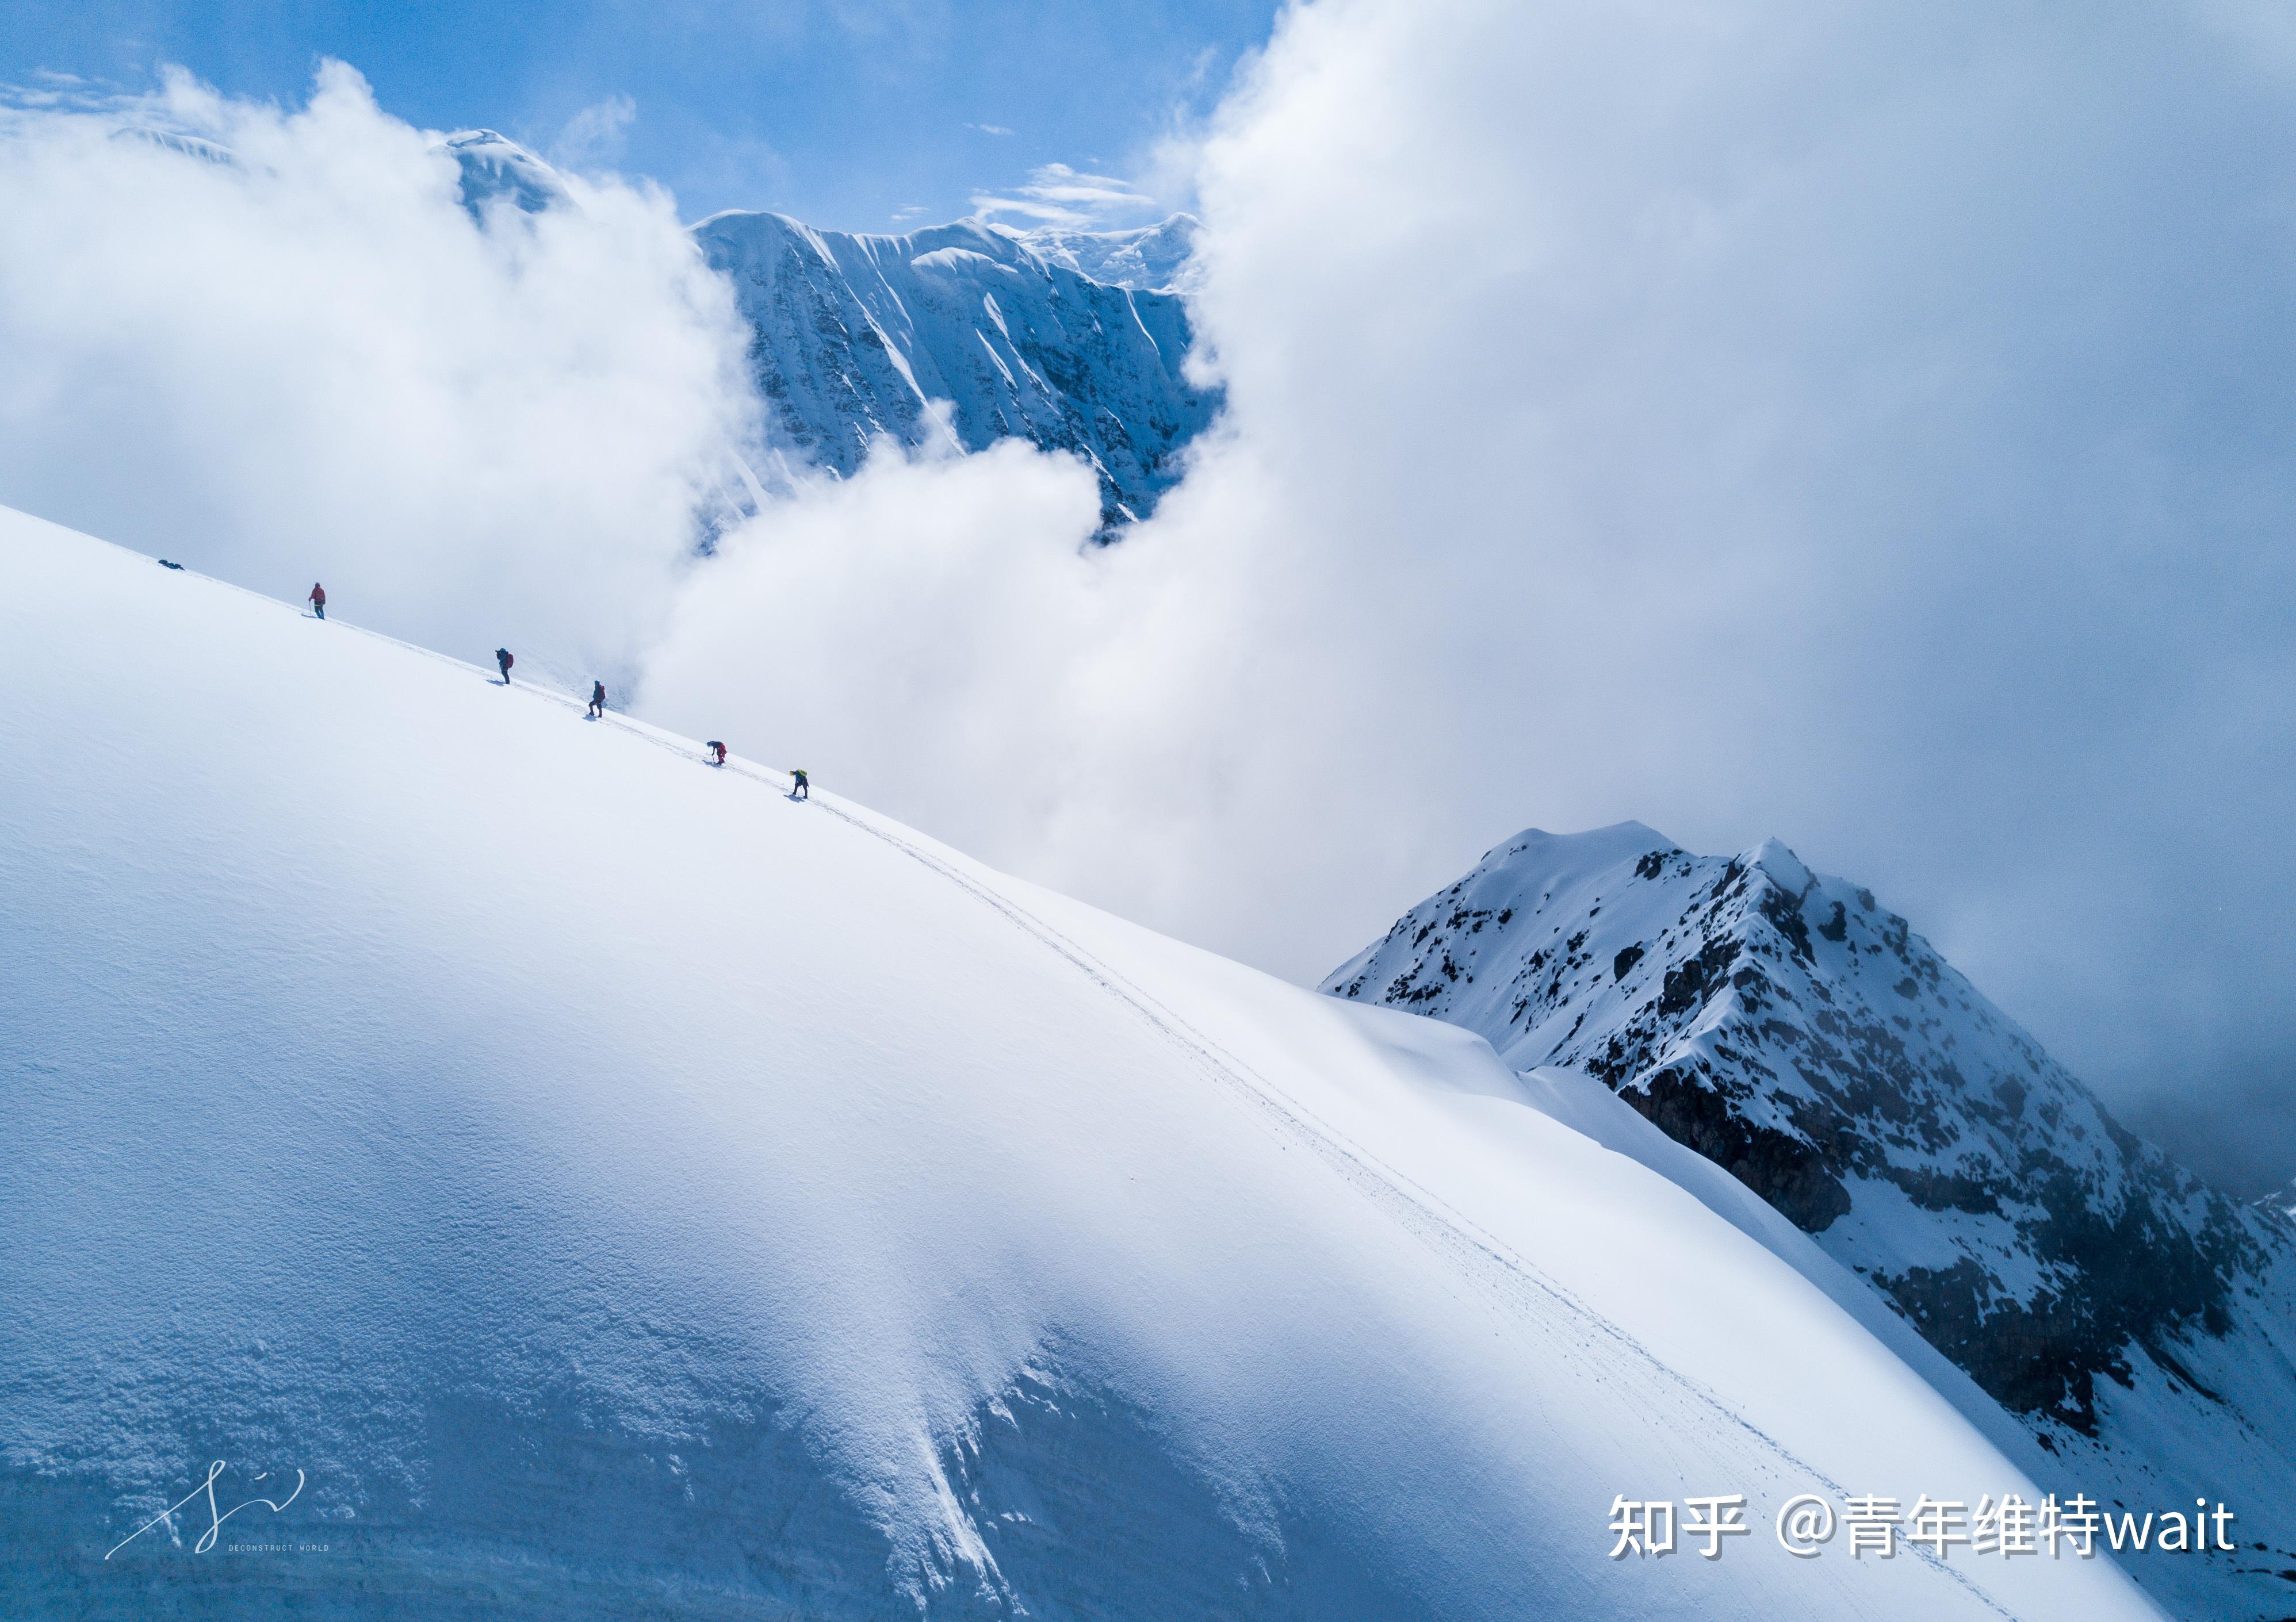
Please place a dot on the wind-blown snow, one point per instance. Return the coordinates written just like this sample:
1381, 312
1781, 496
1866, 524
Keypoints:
623, 1190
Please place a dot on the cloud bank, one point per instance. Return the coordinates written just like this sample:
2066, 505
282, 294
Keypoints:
1860, 424
273, 345
1863, 426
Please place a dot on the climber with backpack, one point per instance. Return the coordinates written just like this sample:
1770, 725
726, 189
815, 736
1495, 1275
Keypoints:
318, 599
597, 700
717, 752
800, 787
503, 659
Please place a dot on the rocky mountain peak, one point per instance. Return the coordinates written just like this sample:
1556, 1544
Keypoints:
1790, 1028
1796, 1031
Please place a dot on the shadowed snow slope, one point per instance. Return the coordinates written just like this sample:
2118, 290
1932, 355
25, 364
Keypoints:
615, 1189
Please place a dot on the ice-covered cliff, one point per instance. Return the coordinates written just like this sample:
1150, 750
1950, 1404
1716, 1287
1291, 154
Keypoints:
853, 336
1073, 340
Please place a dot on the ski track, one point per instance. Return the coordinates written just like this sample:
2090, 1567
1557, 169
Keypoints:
1477, 1257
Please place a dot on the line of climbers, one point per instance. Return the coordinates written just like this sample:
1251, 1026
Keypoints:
801, 786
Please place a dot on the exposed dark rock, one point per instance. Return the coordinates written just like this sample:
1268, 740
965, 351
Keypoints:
1688, 983
1784, 913
1787, 1172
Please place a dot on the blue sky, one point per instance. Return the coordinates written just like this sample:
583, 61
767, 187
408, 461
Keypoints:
853, 116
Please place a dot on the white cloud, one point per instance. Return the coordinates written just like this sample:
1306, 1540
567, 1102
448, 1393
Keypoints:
306, 361
1858, 426
989, 129
596, 136
911, 626
1059, 195
53, 91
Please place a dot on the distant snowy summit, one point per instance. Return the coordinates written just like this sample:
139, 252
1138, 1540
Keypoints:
1073, 340
1792, 1029
855, 336
494, 166
1159, 258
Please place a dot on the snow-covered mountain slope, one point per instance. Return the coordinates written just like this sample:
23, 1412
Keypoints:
571, 1180
855, 335
1791, 1030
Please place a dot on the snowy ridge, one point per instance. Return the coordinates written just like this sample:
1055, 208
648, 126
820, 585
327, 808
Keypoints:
496, 166
1792, 1031
610, 1189
955, 337
1159, 258
856, 336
